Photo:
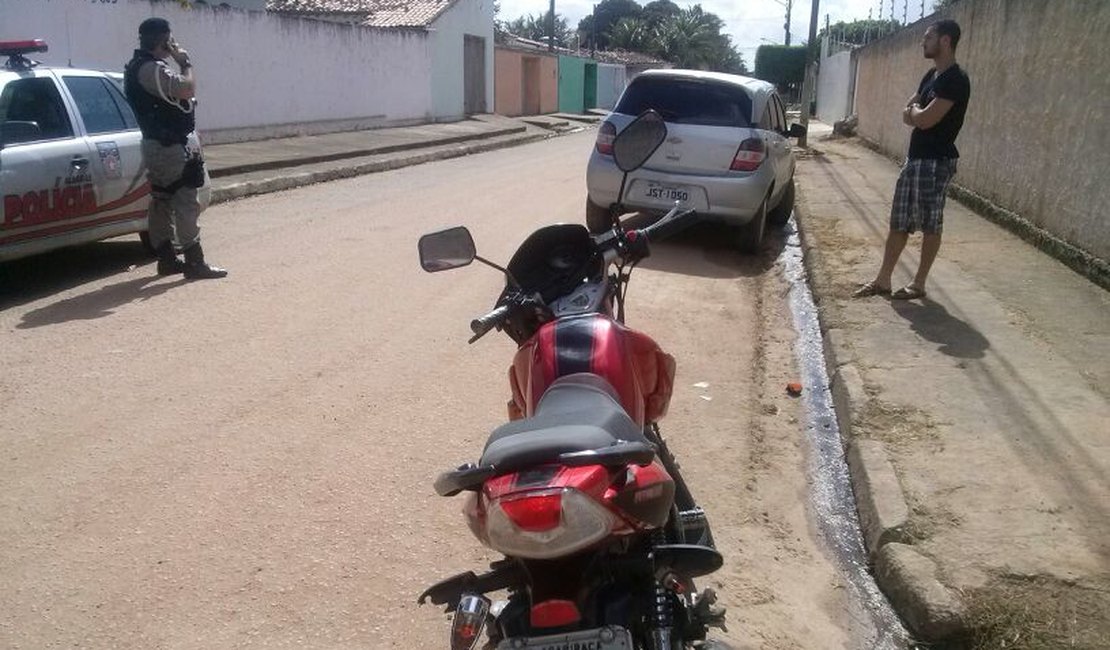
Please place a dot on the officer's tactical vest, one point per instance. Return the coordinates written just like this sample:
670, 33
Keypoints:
159, 120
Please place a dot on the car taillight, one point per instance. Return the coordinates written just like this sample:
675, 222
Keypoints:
605, 135
749, 156
546, 524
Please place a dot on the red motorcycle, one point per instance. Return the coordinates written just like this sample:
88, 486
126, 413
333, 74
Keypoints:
601, 537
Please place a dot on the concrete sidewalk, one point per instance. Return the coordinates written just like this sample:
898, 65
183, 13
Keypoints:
246, 168
977, 420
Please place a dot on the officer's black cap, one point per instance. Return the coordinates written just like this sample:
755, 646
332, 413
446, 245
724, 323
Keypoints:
154, 26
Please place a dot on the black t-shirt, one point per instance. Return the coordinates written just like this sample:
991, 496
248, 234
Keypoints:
940, 141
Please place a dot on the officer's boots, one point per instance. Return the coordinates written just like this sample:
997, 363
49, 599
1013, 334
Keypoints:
196, 268
168, 261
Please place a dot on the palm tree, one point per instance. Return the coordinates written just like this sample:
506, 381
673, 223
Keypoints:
690, 38
632, 34
535, 28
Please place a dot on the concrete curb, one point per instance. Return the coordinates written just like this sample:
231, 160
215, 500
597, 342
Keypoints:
358, 153
883, 513
907, 577
232, 191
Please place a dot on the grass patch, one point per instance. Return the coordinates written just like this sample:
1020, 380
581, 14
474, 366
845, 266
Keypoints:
1037, 613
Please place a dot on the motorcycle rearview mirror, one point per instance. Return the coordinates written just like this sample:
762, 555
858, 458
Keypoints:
639, 140
637, 143
447, 249
452, 249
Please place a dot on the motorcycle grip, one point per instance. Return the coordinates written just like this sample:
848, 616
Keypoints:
483, 324
666, 227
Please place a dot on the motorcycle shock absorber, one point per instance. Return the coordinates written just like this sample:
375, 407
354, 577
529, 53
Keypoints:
663, 619
662, 612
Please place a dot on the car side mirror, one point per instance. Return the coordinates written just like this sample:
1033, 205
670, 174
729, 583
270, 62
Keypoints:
447, 249
796, 130
16, 131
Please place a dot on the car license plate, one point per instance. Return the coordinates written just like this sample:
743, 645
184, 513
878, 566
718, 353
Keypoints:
606, 638
667, 192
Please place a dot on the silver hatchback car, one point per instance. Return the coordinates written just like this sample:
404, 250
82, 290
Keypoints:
727, 154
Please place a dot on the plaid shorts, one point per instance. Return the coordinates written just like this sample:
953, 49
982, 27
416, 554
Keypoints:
919, 195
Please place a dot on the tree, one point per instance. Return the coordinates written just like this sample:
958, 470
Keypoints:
943, 4
692, 38
633, 34
781, 65
535, 28
607, 14
658, 11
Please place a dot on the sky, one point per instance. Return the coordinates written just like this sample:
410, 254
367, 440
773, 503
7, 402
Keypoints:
749, 22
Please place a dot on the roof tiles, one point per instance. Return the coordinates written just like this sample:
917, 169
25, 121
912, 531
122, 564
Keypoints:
371, 13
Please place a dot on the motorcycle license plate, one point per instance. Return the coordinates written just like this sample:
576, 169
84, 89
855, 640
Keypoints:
667, 193
606, 638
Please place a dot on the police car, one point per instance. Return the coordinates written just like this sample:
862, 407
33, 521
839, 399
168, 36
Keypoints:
71, 168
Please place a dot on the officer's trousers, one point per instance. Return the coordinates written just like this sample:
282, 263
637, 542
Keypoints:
177, 212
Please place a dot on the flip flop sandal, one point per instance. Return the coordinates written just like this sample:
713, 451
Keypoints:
869, 289
908, 292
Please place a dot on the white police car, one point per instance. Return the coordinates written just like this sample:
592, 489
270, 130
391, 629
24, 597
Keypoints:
71, 168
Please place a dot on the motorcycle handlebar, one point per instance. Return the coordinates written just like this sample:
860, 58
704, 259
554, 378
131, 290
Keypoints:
667, 225
485, 323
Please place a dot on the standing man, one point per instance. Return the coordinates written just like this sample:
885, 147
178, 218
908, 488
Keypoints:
163, 102
936, 114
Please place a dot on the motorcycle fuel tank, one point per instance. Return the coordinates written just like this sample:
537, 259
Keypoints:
631, 362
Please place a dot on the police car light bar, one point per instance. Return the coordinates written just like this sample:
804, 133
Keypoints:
15, 50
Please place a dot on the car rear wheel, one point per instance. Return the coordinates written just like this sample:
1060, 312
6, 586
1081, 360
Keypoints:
751, 233
598, 219
781, 214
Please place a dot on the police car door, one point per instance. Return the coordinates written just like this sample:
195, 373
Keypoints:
44, 164
114, 142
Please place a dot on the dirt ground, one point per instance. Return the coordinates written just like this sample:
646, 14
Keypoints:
248, 462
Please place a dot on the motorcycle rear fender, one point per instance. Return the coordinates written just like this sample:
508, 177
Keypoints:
503, 575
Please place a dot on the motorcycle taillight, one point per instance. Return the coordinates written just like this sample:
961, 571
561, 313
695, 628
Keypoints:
545, 524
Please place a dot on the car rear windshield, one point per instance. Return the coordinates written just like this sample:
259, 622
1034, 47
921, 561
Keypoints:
688, 101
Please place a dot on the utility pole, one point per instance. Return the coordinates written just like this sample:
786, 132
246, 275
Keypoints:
551, 27
905, 11
593, 32
807, 83
789, 4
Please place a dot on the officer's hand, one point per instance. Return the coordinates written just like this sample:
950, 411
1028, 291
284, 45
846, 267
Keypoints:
179, 54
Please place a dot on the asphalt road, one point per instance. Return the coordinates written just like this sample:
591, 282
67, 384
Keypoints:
248, 462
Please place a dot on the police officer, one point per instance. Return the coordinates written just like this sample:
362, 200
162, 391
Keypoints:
163, 102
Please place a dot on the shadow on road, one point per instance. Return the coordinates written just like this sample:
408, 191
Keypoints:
932, 322
708, 250
100, 303
39, 276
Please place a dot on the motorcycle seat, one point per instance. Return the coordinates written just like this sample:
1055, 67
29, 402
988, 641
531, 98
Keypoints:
578, 413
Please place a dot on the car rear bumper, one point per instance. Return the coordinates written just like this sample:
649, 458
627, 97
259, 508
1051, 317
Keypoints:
732, 199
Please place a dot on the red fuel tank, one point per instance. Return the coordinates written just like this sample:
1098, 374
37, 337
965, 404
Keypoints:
641, 373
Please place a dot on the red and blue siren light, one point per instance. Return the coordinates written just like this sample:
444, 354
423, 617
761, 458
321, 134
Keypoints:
15, 51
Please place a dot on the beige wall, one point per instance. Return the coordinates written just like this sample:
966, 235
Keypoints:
1036, 139
509, 66
509, 94
549, 84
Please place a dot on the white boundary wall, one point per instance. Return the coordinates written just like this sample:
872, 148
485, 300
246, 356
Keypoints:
611, 80
834, 85
259, 75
